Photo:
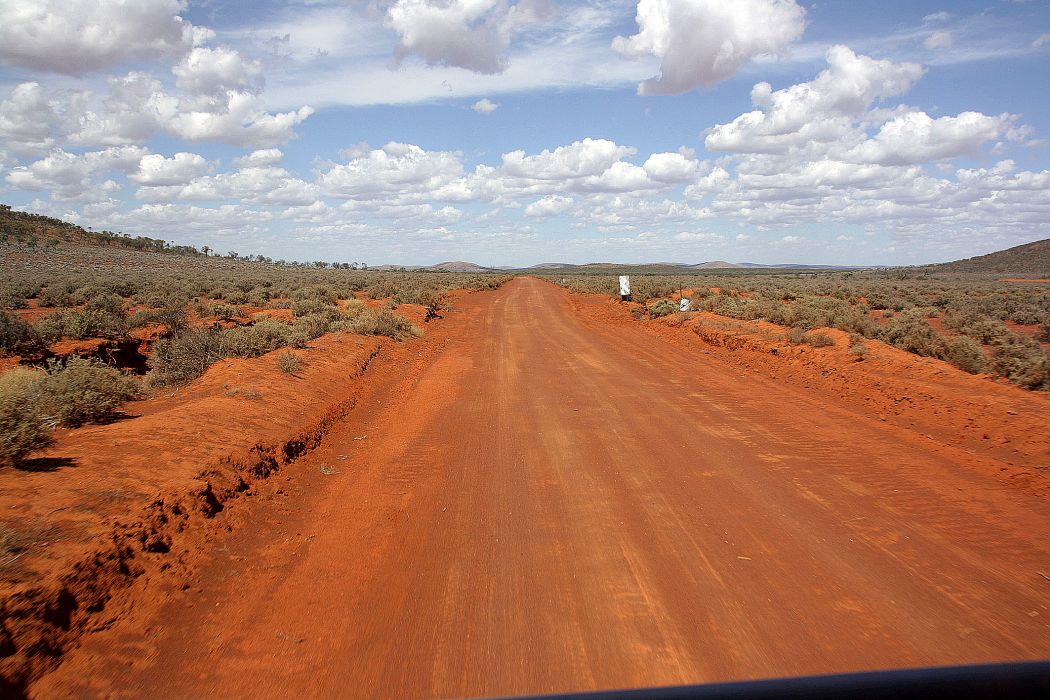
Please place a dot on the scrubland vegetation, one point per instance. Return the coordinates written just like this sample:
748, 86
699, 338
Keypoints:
978, 323
82, 318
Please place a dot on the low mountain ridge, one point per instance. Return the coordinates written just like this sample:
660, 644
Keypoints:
1028, 259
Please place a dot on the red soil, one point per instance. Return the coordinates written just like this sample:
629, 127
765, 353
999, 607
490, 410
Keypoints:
108, 500
33, 312
543, 495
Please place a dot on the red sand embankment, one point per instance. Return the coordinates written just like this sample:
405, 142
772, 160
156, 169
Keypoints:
112, 503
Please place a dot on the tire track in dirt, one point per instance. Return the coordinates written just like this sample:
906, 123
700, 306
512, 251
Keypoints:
554, 504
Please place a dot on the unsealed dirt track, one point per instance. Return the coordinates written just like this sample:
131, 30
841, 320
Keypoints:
552, 503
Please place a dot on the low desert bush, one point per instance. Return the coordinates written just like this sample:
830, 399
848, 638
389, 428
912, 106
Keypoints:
106, 303
9, 300
983, 329
255, 340
183, 357
378, 322
664, 307
23, 426
910, 331
796, 336
965, 353
224, 312
288, 362
50, 328
857, 348
15, 334
306, 307
84, 391
78, 325
56, 295
819, 340
1023, 361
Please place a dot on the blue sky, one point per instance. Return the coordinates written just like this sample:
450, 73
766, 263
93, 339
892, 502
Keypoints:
513, 133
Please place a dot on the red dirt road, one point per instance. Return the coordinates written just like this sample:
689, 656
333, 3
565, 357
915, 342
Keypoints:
553, 503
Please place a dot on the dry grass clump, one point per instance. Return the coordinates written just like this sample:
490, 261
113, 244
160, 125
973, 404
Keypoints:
289, 363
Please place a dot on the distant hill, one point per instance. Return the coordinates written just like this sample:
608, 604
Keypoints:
44, 231
458, 266
1028, 259
715, 265
551, 266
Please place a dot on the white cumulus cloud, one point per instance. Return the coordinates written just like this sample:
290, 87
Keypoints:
213, 71
156, 170
917, 137
259, 158
70, 175
819, 111
671, 167
398, 169
471, 34
485, 106
703, 42
589, 157
551, 205
78, 36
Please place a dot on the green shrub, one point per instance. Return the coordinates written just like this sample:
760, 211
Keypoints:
983, 329
23, 427
910, 331
819, 340
365, 321
307, 307
664, 307
10, 299
288, 362
56, 295
965, 353
51, 328
1023, 361
858, 350
253, 341
184, 357
224, 312
84, 391
15, 334
107, 303
93, 323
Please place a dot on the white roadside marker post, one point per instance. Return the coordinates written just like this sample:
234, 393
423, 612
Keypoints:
625, 288
683, 304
